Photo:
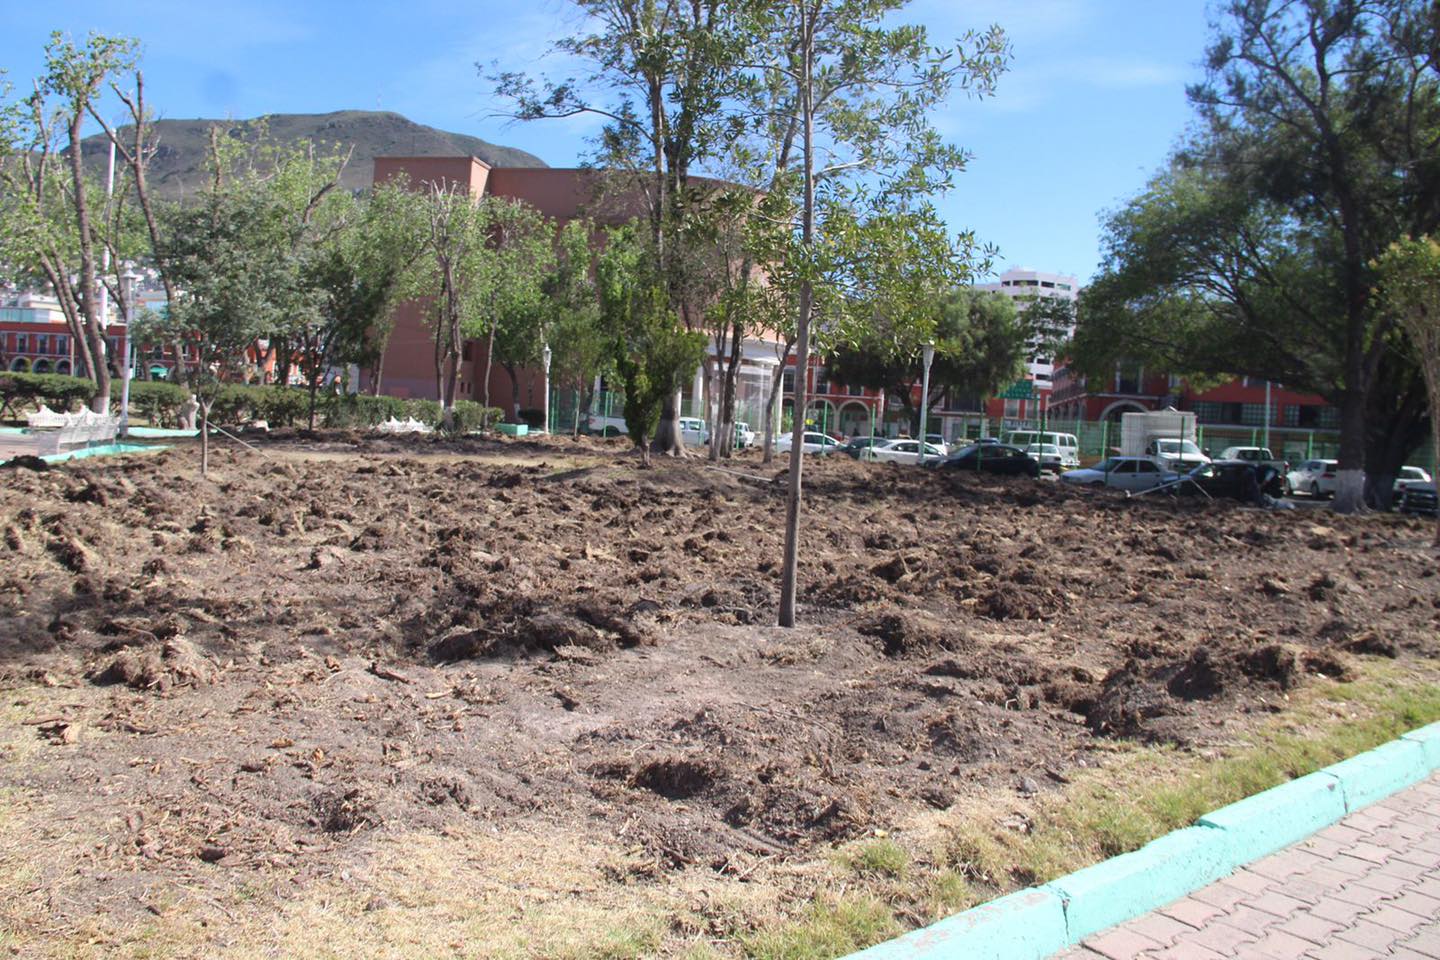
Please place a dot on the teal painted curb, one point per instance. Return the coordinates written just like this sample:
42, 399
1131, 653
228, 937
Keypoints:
1280, 816
1027, 925
1163, 870
1429, 740
1376, 774
1035, 923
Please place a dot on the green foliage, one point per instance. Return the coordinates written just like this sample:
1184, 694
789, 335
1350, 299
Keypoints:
154, 400
979, 347
56, 391
469, 416
652, 352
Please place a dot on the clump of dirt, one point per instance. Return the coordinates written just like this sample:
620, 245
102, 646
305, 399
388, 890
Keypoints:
1199, 678
342, 812
1277, 663
675, 778
905, 632
178, 663
1125, 704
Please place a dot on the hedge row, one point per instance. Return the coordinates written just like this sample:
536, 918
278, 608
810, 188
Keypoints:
160, 402
57, 391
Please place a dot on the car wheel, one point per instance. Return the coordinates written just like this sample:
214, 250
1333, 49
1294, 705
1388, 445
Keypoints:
1289, 488
1315, 489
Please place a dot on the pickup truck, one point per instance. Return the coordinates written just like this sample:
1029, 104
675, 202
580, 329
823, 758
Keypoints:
1256, 457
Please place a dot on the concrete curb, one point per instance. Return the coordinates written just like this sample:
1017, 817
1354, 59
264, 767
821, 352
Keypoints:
1035, 923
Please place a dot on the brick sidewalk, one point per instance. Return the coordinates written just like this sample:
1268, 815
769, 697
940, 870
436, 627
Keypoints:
1369, 886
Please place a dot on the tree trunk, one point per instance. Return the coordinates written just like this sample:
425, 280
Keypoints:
728, 397
89, 296
1350, 475
789, 572
772, 402
489, 364
514, 391
667, 432
204, 438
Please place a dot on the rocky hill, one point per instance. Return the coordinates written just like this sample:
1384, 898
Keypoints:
178, 167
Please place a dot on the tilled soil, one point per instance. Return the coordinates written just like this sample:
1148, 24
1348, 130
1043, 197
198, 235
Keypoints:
340, 636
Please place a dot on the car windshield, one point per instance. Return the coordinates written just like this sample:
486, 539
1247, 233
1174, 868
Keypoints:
1412, 473
1108, 465
1182, 447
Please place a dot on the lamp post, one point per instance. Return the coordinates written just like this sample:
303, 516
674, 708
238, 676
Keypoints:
128, 280
545, 359
928, 354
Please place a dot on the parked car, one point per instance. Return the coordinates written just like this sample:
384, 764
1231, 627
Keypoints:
1236, 480
693, 431
1177, 456
856, 446
744, 436
938, 442
1420, 498
900, 451
816, 443
990, 458
1254, 455
1051, 457
1315, 477
1409, 475
1122, 473
1067, 442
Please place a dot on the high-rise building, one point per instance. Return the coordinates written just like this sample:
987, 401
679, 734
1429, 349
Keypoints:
1025, 287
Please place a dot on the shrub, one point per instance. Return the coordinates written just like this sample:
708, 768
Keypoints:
56, 391
281, 406
158, 401
471, 416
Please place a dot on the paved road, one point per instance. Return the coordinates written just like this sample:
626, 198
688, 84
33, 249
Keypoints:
1366, 887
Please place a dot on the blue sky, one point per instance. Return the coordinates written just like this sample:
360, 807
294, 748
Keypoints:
1092, 104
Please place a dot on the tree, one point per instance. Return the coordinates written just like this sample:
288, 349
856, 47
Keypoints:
1409, 272
863, 94
227, 262
647, 346
979, 346
673, 68
485, 260
362, 268
572, 327
50, 198
1319, 122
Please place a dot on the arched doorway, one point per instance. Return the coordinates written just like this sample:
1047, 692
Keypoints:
63, 367
820, 415
1113, 412
853, 419
41, 366
20, 365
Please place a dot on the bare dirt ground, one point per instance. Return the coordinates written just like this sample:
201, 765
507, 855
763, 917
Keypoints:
527, 699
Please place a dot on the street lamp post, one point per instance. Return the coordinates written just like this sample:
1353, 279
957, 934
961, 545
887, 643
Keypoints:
128, 281
928, 353
545, 359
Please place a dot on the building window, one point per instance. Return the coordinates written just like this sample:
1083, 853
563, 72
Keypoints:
1047, 283
1252, 414
856, 391
42, 343
1207, 411
62, 343
822, 380
1012, 409
22, 343
787, 381
1063, 286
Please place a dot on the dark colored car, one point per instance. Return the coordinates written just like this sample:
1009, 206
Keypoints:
1420, 498
990, 458
855, 445
1236, 480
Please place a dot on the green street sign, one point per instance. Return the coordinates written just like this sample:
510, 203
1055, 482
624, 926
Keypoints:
1019, 390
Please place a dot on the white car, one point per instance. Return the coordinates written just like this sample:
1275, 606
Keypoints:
938, 442
1122, 473
1054, 457
1409, 475
1179, 456
900, 451
815, 442
744, 436
693, 431
1315, 477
